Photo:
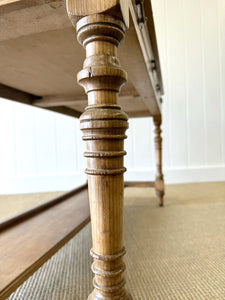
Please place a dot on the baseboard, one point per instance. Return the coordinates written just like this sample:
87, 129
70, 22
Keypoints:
180, 175
42, 183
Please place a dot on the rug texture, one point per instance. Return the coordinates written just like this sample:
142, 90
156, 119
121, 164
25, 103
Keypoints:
174, 252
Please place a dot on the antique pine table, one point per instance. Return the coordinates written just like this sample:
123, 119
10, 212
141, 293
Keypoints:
39, 57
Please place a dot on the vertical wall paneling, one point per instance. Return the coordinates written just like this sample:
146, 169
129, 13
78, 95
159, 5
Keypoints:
65, 144
162, 16
203, 86
45, 141
211, 80
221, 46
176, 82
161, 21
24, 140
186, 80
200, 52
39, 150
7, 147
194, 86
143, 144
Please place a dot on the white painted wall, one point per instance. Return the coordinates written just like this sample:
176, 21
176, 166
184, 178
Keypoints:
42, 151
192, 49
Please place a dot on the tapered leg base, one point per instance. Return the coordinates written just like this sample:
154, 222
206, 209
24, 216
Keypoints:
159, 189
160, 200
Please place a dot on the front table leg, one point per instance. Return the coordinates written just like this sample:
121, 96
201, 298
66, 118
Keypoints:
104, 125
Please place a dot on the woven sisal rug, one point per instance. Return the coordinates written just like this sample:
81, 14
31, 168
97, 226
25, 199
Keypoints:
174, 252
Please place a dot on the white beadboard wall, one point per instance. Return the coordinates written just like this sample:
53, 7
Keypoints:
192, 51
42, 150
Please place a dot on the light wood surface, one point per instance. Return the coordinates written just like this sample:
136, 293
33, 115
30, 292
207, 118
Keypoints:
39, 56
36, 209
139, 184
12, 205
27, 245
77, 9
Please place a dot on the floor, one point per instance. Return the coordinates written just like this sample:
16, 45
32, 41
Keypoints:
174, 252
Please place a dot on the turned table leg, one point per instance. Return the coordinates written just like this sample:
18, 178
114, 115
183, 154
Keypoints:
103, 125
159, 181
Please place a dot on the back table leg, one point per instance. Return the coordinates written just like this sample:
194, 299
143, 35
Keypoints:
159, 181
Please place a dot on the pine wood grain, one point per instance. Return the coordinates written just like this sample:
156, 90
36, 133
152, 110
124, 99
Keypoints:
139, 184
81, 8
104, 125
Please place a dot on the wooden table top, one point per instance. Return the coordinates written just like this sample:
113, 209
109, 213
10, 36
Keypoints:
40, 57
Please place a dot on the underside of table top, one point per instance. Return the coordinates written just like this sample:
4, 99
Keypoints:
40, 58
